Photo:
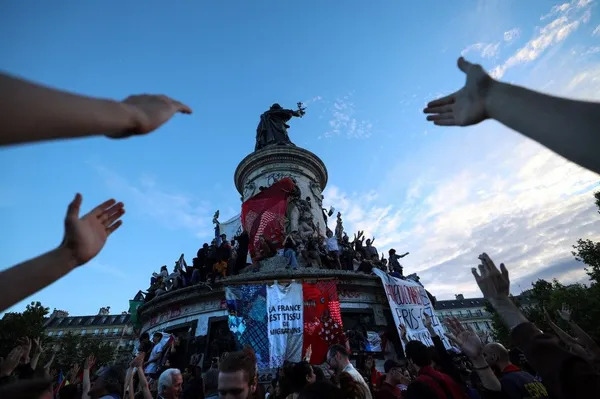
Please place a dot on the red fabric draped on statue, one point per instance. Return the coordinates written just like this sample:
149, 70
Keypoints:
322, 320
264, 214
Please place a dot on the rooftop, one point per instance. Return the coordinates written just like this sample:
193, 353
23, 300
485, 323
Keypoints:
85, 321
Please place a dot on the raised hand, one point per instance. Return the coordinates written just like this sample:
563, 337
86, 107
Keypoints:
466, 106
465, 339
150, 112
493, 283
10, 363
138, 361
565, 313
89, 362
37, 346
85, 237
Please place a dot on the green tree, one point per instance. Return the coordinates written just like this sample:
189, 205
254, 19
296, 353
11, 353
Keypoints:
74, 349
29, 323
588, 251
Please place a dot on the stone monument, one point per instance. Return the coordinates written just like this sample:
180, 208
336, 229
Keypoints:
275, 157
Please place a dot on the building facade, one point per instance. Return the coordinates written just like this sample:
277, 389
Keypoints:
470, 312
113, 329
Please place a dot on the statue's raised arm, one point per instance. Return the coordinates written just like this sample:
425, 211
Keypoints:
272, 128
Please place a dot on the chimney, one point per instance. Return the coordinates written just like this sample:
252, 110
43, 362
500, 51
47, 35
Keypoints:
459, 297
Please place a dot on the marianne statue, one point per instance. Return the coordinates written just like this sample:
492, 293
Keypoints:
272, 128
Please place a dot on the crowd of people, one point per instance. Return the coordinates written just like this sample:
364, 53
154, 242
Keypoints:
222, 258
557, 370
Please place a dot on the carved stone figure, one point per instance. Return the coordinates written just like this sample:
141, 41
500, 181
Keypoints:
249, 190
339, 227
272, 128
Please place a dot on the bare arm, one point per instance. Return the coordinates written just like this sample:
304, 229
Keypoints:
585, 339
32, 112
144, 384
567, 127
47, 268
84, 238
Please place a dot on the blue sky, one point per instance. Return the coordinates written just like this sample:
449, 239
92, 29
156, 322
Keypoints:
364, 72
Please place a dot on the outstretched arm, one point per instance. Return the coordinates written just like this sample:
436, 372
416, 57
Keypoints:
84, 238
567, 127
31, 112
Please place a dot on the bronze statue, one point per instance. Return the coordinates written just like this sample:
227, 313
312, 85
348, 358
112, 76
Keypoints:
272, 128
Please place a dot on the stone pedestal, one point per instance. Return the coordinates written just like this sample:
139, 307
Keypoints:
264, 167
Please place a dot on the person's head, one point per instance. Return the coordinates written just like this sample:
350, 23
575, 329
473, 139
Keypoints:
38, 388
321, 390
496, 355
351, 389
238, 375
69, 392
157, 337
337, 357
418, 354
319, 373
107, 381
302, 374
211, 381
145, 337
368, 242
170, 383
393, 372
329, 233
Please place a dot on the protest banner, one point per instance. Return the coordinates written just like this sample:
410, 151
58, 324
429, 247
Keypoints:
409, 303
285, 325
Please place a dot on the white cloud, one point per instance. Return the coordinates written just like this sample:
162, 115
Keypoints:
484, 50
173, 210
526, 212
566, 18
511, 35
344, 123
596, 31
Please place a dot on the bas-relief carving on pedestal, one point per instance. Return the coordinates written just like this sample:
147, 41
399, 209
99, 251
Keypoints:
249, 190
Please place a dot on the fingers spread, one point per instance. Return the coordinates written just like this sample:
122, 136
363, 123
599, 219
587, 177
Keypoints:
447, 100
74, 206
475, 274
111, 229
110, 215
97, 211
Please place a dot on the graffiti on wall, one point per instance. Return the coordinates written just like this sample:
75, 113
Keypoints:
274, 177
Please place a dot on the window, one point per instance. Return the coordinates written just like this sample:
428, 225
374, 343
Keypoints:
477, 326
105, 332
96, 331
50, 333
487, 325
479, 312
60, 333
83, 331
115, 330
469, 313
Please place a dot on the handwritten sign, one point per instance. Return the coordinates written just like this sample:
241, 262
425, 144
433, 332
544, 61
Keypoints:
409, 304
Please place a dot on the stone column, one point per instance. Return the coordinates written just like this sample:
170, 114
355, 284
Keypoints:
264, 167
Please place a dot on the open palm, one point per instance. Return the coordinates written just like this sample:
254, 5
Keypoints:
85, 237
466, 106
